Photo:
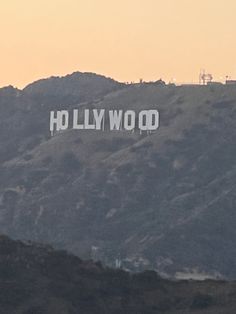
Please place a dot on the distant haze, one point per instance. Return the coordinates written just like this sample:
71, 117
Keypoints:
126, 40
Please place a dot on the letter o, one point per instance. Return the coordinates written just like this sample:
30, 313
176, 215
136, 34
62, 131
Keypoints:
129, 120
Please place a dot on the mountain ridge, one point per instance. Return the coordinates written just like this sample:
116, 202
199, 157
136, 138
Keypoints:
163, 201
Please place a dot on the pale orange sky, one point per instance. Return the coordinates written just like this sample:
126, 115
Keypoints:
123, 39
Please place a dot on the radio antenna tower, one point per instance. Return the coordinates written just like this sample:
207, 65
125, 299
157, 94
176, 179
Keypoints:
205, 78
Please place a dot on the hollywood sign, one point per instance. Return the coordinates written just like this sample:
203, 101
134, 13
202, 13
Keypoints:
101, 119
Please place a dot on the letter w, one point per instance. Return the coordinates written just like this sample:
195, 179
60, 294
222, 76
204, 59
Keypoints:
115, 119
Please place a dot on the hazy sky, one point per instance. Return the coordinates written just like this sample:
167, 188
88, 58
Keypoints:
123, 39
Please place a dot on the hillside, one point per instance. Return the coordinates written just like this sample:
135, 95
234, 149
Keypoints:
39, 280
72, 88
164, 201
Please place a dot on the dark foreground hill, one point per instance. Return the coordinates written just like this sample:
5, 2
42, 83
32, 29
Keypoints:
164, 201
39, 280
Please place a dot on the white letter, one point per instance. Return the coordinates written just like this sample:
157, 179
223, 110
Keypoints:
64, 120
87, 126
153, 120
76, 124
129, 120
98, 118
115, 119
143, 125
55, 120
